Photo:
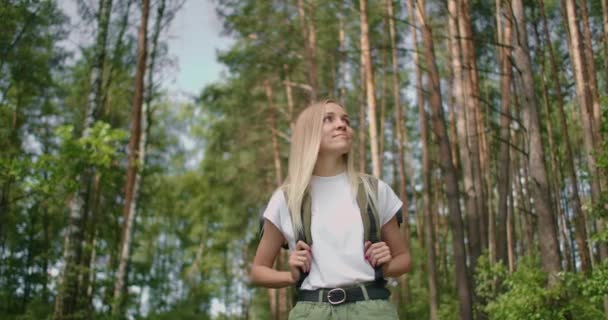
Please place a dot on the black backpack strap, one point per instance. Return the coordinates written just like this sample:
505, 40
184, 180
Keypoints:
371, 218
400, 217
305, 235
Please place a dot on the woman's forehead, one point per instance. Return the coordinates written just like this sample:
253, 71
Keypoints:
335, 108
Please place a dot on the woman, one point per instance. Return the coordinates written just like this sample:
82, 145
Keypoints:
338, 269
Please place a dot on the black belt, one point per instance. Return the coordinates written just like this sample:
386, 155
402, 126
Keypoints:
337, 296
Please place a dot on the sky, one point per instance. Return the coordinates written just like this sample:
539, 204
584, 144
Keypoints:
194, 37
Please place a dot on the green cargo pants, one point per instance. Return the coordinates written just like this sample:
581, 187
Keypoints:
368, 309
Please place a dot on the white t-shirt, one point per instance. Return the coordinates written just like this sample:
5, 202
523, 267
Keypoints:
336, 229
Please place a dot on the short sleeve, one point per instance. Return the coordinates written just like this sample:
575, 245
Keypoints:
388, 202
273, 209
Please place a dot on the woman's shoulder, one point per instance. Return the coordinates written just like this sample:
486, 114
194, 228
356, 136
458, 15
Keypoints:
278, 195
276, 205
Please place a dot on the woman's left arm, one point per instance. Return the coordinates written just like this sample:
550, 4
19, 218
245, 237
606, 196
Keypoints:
392, 253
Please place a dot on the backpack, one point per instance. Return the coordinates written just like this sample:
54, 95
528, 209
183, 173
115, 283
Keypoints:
369, 217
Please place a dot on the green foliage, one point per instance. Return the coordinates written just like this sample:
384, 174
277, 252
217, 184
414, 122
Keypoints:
595, 288
489, 278
524, 294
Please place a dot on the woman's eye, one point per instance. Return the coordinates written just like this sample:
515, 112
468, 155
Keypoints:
327, 119
346, 121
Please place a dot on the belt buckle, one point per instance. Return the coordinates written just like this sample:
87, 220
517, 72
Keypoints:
339, 291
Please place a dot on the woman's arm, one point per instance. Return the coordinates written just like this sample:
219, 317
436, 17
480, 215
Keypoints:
396, 260
262, 272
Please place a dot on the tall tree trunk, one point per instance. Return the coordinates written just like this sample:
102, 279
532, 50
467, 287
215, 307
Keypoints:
86, 263
556, 178
46, 250
134, 169
591, 69
527, 221
584, 98
473, 121
150, 90
362, 113
402, 139
310, 44
429, 223
428, 243
547, 226
67, 296
581, 230
382, 129
289, 95
281, 310
342, 55
504, 183
474, 238
370, 89
448, 171
511, 234
452, 122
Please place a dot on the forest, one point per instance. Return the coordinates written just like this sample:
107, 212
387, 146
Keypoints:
120, 200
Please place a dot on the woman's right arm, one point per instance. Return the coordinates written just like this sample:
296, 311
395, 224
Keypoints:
262, 272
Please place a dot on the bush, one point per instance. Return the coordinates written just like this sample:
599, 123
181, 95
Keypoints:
524, 294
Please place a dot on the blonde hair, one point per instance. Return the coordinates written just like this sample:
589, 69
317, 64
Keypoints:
303, 153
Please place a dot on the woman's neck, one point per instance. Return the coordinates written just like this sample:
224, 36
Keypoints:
328, 166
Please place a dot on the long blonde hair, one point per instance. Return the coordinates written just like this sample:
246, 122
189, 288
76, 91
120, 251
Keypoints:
303, 153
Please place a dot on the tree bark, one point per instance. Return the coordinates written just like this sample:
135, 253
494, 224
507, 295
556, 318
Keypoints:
281, 311
86, 263
511, 234
581, 230
382, 129
342, 54
67, 296
591, 69
428, 243
447, 169
585, 102
473, 236
310, 44
547, 226
504, 181
527, 220
134, 169
473, 124
362, 113
158, 26
556, 179
370, 89
402, 139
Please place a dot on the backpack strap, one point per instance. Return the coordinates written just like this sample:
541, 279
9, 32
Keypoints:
306, 215
303, 235
370, 218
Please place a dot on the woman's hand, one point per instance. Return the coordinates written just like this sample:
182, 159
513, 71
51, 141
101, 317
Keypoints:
377, 253
300, 260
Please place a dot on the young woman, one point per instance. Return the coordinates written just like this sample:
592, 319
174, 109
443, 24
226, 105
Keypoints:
339, 273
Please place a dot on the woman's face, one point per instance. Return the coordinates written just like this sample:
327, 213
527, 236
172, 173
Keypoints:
337, 137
